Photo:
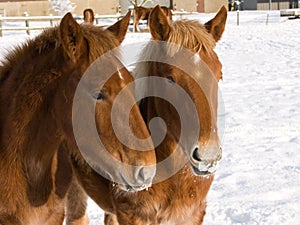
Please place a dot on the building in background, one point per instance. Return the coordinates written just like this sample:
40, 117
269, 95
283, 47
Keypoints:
17, 7
277, 4
210, 6
249, 5
183, 5
106, 7
43, 8
102, 7
263, 4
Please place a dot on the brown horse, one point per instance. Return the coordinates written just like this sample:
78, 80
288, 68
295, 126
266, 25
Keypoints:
142, 13
38, 149
179, 199
88, 16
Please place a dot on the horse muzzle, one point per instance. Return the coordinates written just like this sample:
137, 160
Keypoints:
204, 162
140, 179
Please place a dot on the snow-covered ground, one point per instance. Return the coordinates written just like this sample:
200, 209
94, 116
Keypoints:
258, 180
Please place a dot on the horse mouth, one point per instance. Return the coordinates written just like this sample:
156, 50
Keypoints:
209, 171
126, 186
132, 189
136, 188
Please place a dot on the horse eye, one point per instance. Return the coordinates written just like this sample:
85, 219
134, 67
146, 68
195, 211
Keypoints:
101, 96
171, 80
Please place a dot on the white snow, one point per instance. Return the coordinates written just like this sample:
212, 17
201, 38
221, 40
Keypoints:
258, 179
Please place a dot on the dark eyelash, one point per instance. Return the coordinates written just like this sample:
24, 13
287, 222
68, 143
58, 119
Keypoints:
171, 80
101, 96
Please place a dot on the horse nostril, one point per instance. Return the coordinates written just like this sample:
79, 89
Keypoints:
145, 175
196, 155
141, 174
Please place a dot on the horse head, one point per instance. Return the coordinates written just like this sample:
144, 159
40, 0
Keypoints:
98, 84
183, 54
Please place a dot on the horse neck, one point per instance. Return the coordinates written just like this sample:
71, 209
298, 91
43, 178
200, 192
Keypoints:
25, 109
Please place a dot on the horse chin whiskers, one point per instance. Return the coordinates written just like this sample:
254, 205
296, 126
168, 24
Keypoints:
203, 169
132, 189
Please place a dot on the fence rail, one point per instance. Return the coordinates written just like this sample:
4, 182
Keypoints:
28, 20
51, 19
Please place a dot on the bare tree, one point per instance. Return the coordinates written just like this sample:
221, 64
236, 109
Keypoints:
61, 7
171, 5
136, 3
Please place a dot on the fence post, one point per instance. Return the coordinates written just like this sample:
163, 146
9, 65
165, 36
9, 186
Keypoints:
27, 23
97, 19
119, 12
238, 17
51, 20
267, 21
0, 25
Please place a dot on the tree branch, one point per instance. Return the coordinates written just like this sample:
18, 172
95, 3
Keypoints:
143, 2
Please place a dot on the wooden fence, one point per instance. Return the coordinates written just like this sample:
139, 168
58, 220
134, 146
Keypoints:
26, 21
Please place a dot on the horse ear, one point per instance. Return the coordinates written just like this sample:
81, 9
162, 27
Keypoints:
119, 29
216, 26
158, 23
71, 37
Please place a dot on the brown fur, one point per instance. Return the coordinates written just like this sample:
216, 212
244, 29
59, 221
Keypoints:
76, 205
181, 199
88, 16
37, 85
142, 13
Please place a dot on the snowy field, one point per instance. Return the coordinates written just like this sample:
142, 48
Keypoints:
258, 180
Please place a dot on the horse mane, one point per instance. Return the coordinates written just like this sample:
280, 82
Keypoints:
93, 34
189, 34
48, 41
19, 52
